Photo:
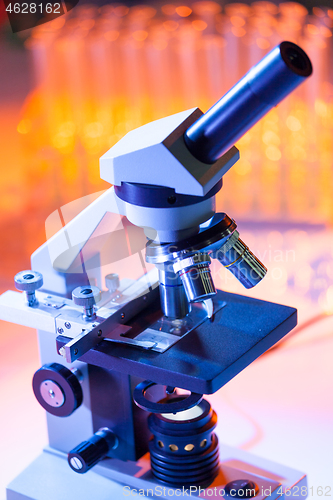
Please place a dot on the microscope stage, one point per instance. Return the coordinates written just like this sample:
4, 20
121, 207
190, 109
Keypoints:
210, 355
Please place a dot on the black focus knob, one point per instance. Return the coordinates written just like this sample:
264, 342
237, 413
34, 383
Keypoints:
87, 454
241, 488
57, 389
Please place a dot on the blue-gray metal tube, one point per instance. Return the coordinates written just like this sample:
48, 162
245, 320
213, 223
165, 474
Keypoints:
262, 88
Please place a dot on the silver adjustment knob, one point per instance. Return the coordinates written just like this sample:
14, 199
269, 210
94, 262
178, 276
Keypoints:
87, 296
29, 282
112, 282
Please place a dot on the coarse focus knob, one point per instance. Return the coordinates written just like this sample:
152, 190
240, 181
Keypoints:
87, 296
29, 282
87, 454
112, 282
57, 389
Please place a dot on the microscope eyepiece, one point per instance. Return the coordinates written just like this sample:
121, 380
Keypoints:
296, 58
262, 88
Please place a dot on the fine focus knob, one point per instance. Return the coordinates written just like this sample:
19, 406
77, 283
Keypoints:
57, 389
87, 454
29, 282
87, 296
112, 282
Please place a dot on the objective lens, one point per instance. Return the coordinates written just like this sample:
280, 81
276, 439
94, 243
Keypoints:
240, 261
174, 302
196, 276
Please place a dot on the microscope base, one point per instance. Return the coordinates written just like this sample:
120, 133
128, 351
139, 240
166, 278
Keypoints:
49, 476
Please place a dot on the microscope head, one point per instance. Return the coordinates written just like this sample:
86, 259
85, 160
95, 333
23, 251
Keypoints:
168, 172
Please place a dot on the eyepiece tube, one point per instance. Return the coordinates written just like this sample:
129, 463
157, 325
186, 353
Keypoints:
262, 88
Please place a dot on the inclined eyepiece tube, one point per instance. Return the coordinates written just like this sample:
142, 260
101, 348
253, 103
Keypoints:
262, 88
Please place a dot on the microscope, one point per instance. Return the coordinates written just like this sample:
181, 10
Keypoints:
126, 361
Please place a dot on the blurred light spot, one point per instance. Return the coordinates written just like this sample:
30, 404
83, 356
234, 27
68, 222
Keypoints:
265, 30
318, 12
237, 21
94, 129
293, 123
24, 126
140, 35
270, 137
326, 32
275, 238
170, 25
326, 300
160, 44
263, 43
312, 29
169, 9
303, 277
87, 24
111, 35
199, 25
243, 167
206, 7
273, 153
298, 153
121, 10
239, 32
320, 108
183, 11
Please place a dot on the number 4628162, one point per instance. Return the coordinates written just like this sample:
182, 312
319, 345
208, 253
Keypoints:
32, 8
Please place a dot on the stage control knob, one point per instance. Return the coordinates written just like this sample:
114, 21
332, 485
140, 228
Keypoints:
57, 389
87, 454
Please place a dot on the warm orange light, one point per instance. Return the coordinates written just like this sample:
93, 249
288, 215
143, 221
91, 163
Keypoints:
140, 35
111, 35
170, 25
243, 167
239, 32
326, 32
160, 44
271, 137
293, 123
121, 10
263, 43
237, 21
318, 12
263, 6
312, 29
293, 9
206, 7
273, 153
87, 24
199, 25
24, 126
183, 11
168, 9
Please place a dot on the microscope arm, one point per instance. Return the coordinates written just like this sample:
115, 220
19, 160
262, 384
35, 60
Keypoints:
61, 259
